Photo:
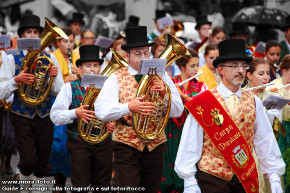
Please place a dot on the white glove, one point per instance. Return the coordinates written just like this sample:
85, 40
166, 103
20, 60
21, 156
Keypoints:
276, 187
192, 189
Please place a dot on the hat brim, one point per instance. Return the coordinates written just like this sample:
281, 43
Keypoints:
79, 61
219, 60
125, 47
283, 28
21, 29
199, 24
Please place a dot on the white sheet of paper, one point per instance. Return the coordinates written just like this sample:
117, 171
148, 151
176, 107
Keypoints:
28, 44
5, 41
97, 80
275, 102
165, 22
104, 42
152, 66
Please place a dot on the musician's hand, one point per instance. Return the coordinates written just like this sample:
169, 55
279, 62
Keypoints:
53, 71
69, 79
184, 96
2, 102
137, 106
77, 71
24, 77
110, 127
85, 114
158, 86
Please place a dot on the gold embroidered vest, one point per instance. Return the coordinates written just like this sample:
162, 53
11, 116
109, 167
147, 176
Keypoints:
211, 160
125, 133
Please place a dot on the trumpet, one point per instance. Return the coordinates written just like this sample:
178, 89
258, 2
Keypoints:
189, 79
261, 86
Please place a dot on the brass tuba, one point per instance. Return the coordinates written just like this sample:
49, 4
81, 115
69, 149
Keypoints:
95, 131
148, 128
39, 65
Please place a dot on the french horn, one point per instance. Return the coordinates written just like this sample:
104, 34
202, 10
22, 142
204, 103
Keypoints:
39, 65
150, 127
95, 131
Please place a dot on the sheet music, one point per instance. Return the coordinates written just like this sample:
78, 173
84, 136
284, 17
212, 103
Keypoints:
97, 80
153, 66
275, 102
28, 44
104, 42
5, 41
165, 22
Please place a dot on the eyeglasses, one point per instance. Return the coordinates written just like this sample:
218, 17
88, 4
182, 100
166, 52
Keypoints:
236, 67
88, 38
139, 54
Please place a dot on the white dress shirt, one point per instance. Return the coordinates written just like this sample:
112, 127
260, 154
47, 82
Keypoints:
60, 113
110, 109
8, 84
265, 145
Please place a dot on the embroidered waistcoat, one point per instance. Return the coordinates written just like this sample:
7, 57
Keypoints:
18, 106
211, 160
124, 133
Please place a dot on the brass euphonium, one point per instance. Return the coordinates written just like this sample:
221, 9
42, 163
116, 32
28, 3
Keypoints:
148, 128
95, 131
39, 65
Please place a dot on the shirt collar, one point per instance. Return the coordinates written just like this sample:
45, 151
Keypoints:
223, 90
131, 70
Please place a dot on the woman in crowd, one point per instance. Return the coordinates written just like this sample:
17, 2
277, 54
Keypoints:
284, 142
209, 77
257, 75
62, 56
189, 67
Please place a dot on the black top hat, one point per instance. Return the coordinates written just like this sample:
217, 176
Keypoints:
200, 20
136, 37
239, 28
232, 49
159, 14
78, 17
286, 24
89, 53
29, 21
133, 21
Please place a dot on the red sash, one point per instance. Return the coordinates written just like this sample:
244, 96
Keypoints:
226, 137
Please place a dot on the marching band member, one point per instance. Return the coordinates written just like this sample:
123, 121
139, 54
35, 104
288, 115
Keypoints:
223, 127
90, 164
32, 125
63, 57
189, 67
284, 141
138, 164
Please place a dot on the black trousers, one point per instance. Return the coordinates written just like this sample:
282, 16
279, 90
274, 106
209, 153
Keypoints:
90, 164
138, 169
211, 184
33, 138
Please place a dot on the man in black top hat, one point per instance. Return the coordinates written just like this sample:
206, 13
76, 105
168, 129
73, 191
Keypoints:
91, 164
32, 126
203, 27
138, 164
158, 31
285, 44
202, 142
76, 24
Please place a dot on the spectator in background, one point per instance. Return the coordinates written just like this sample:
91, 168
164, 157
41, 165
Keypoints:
76, 24
285, 44
217, 35
272, 53
87, 38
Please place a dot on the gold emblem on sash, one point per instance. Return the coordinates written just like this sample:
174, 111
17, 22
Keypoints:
218, 119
